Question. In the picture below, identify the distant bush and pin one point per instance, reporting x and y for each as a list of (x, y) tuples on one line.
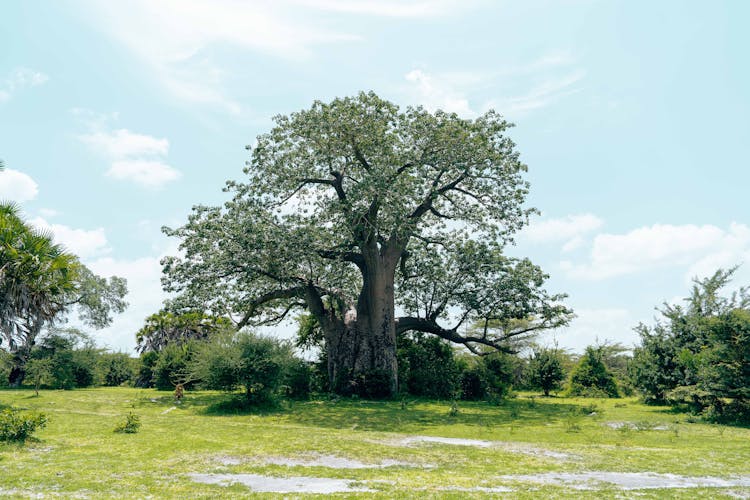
[(146, 364), (116, 368), (130, 424), (18, 427), (591, 378), (298, 380), (257, 364), (487, 377)]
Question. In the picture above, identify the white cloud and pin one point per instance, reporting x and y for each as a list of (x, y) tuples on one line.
[(18, 79), (147, 173), (134, 157), (700, 250), (569, 228), (176, 39), (438, 93), (85, 243), (17, 186), (122, 143)]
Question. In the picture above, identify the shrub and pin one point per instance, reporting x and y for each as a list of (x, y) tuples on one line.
[(427, 367), (590, 377), (146, 365), (115, 368), (39, 373), (18, 427), (258, 364), (5, 366), (498, 371), (129, 424), (173, 365), (298, 380), (473, 386), (488, 376)]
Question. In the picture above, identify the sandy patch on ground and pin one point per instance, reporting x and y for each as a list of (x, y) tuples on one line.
[(625, 480), (512, 447), (267, 484)]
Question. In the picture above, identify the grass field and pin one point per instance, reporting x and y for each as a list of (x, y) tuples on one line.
[(384, 447)]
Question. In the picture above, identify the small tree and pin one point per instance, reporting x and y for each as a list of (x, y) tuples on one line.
[(546, 369), (39, 371), (591, 377)]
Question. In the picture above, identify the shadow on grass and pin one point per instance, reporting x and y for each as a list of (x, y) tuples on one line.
[(742, 422), (389, 416), (384, 416)]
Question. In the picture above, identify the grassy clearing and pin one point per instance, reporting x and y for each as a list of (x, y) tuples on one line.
[(78, 454)]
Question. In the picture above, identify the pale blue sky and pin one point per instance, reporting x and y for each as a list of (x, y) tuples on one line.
[(117, 117)]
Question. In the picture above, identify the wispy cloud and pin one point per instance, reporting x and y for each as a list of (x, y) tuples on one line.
[(402, 9), (529, 87), (541, 95), (177, 39), (174, 38), (18, 79), (122, 142), (148, 173), (134, 157)]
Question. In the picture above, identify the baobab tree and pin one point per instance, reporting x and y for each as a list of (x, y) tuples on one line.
[(377, 221)]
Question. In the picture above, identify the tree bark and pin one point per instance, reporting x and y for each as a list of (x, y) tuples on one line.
[(362, 346)]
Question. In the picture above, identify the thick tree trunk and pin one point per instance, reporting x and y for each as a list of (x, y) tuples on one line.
[(362, 348)]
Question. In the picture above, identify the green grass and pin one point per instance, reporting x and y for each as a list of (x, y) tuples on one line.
[(78, 454)]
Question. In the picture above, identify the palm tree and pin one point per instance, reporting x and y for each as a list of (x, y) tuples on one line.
[(37, 277)]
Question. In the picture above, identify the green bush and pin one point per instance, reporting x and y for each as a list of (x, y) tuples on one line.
[(259, 365), (115, 368), (487, 377), (146, 365), (298, 380), (427, 367), (499, 370), (173, 366), (473, 385), (591, 378), (18, 427), (5, 367), (130, 424)]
